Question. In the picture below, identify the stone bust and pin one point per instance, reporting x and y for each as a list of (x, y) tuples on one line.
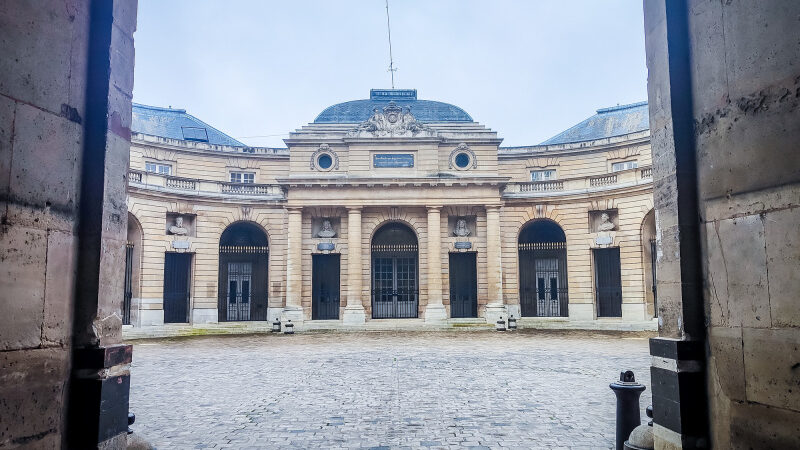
[(327, 230), (461, 229), (178, 228), (605, 223)]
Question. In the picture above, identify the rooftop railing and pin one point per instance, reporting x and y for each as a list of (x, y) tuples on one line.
[(605, 181), (202, 187)]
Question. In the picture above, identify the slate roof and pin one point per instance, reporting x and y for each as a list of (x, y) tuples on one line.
[(177, 124), (357, 111), (608, 122)]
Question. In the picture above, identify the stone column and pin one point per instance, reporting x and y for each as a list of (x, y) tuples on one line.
[(435, 310), (294, 271), (354, 311), (496, 307)]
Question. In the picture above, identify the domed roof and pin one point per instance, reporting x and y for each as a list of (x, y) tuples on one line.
[(357, 111)]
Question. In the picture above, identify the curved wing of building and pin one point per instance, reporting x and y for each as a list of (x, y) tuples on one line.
[(391, 207)]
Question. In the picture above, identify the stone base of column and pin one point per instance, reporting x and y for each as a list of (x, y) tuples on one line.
[(494, 311), (435, 313), (293, 313), (354, 315)]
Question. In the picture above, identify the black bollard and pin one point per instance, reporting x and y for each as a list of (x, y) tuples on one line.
[(131, 420), (627, 391)]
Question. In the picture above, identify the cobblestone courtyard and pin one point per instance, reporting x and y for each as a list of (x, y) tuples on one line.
[(383, 390)]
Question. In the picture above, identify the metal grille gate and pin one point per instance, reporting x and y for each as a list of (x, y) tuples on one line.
[(243, 282), (240, 280), (177, 268), (608, 282), (543, 279), (126, 301), (394, 281), (653, 273)]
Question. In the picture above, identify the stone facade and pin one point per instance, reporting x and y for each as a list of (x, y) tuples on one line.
[(425, 176)]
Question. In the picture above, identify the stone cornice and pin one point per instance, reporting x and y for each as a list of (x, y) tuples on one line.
[(224, 151), (597, 145), (299, 182)]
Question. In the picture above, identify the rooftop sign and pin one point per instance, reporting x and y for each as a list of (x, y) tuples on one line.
[(392, 94)]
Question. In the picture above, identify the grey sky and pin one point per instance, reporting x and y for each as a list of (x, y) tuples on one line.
[(527, 69)]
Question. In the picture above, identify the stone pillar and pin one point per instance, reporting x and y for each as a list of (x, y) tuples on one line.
[(354, 311), (435, 310), (496, 307), (294, 270)]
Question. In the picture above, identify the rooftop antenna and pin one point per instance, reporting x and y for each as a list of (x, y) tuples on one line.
[(392, 68)]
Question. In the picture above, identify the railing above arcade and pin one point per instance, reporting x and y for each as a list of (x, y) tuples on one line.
[(210, 188), (589, 183)]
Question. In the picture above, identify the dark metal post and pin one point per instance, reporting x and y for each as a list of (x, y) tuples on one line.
[(627, 391)]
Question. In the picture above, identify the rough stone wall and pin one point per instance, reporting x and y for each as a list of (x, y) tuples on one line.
[(43, 52), (44, 110), (746, 84)]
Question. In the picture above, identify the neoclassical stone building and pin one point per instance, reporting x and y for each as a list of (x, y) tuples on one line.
[(390, 208)]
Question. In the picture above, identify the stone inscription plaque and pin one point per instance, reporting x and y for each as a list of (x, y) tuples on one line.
[(393, 160)]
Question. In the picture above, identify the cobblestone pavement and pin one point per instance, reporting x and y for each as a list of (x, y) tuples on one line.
[(452, 389)]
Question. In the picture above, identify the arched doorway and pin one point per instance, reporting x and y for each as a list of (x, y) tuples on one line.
[(649, 263), (543, 270), (133, 263), (243, 263), (395, 290)]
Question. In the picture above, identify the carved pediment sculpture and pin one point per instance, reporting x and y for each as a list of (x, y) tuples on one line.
[(393, 121)]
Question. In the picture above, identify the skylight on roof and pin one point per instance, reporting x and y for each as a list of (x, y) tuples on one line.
[(195, 134)]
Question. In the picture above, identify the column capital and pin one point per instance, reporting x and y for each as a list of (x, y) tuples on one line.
[(493, 207), (294, 208), (354, 208), (434, 207)]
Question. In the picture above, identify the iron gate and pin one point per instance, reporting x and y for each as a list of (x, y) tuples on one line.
[(240, 281), (394, 283), (653, 273), (543, 279), (128, 295), (325, 287), (177, 268), (608, 282), (463, 285)]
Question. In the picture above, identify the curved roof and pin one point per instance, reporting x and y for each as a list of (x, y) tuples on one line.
[(357, 111), (608, 122), (177, 124)]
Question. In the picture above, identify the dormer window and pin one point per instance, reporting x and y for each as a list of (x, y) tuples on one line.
[(543, 175), (624, 165), (196, 134), (243, 177)]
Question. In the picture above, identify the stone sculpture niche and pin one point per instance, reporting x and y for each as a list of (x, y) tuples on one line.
[(325, 227), (603, 221), (180, 224)]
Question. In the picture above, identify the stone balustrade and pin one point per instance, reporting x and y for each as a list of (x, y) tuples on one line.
[(155, 181), (605, 181)]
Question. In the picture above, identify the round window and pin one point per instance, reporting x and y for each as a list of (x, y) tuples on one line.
[(462, 160), (325, 161)]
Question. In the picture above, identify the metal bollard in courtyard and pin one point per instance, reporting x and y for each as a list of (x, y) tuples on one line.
[(276, 326), (289, 327), (512, 324), (131, 420), (501, 324), (627, 391)]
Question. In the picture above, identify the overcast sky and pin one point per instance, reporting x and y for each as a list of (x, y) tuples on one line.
[(527, 69)]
